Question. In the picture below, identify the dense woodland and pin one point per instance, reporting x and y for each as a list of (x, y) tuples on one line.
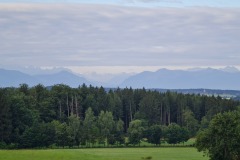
[(88, 116)]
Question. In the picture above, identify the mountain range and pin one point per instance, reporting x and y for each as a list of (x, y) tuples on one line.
[(227, 78), (208, 78), (12, 78)]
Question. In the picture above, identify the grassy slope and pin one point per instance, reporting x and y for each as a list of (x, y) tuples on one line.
[(104, 154)]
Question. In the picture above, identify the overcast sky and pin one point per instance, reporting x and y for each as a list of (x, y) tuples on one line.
[(120, 35)]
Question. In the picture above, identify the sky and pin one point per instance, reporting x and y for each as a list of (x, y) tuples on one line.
[(119, 36), (141, 3)]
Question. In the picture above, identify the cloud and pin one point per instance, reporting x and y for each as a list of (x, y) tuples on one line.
[(101, 35)]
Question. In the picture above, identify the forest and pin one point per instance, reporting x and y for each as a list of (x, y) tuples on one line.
[(39, 116)]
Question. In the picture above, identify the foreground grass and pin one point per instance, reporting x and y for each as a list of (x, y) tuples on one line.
[(104, 154)]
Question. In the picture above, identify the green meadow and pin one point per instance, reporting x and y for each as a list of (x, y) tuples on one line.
[(164, 153)]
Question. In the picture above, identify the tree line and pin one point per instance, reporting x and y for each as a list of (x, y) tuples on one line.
[(85, 116)]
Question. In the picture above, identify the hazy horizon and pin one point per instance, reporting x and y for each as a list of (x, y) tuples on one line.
[(106, 70)]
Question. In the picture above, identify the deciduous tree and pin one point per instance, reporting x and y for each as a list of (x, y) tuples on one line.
[(221, 140)]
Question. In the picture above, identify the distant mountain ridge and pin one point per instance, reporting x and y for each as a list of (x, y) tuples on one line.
[(12, 78), (221, 79), (64, 77), (180, 79)]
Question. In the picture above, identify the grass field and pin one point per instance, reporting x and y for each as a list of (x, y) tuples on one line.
[(104, 154)]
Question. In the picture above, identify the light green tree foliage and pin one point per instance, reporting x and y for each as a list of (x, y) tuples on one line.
[(119, 126), (105, 124), (61, 133), (190, 123), (135, 132), (119, 135), (74, 129), (221, 140), (90, 128)]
